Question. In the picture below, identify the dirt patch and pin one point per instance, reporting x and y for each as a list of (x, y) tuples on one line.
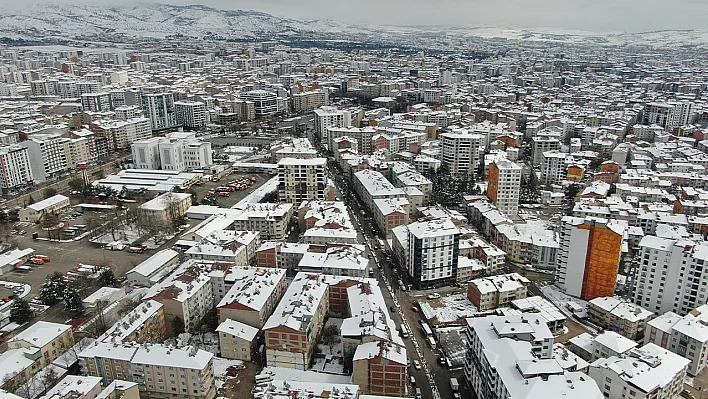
[(241, 385), (574, 329)]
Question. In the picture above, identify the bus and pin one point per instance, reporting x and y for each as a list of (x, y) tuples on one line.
[(432, 342), (404, 331), (426, 330)]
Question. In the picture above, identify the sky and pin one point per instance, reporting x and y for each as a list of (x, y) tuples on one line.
[(585, 15)]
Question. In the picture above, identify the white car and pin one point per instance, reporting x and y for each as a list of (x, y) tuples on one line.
[(416, 364), (434, 295)]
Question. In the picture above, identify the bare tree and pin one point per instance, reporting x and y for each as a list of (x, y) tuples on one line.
[(48, 379)]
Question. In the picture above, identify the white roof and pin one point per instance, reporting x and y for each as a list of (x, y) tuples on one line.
[(500, 283), (387, 350), (132, 321), (300, 302), (540, 306), (370, 316), (433, 228), (41, 205), (622, 309), (304, 162), (238, 329), (252, 286), (163, 201), (376, 185), (166, 356), (73, 383), (188, 279), (103, 294), (13, 361), (615, 342), (14, 256), (340, 257), (41, 333), (388, 206), (648, 368), (149, 266)]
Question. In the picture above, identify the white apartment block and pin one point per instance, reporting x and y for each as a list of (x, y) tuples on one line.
[(492, 292), (432, 252), (363, 137), (47, 156), (686, 336), (264, 102), (461, 151), (669, 115), (543, 144), (160, 108), (671, 275), (191, 114), (176, 151), (372, 185), (79, 151), (553, 167), (326, 117), (146, 153), (120, 134), (643, 373), (302, 179), (504, 186), (15, 170), (512, 357), (161, 371), (99, 102)]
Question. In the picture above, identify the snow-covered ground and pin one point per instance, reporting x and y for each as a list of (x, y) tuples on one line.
[(330, 359), (126, 235), (561, 299)]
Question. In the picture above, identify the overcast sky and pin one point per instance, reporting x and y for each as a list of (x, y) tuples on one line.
[(591, 15)]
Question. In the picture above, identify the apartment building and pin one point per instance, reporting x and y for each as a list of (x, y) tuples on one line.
[(264, 102), (686, 336), (145, 323), (44, 341), (553, 167), (75, 387), (504, 186), (226, 246), (326, 117), (186, 293), (291, 332), (497, 291), (390, 213), (619, 315), (153, 269), (254, 294), (47, 156), (191, 114), (431, 252), (272, 221), (343, 260), (15, 170), (77, 151), (309, 100), (512, 356), (120, 134), (462, 152), (590, 251), (160, 109), (372, 185), (161, 371), (542, 144), (492, 257), (363, 136), (670, 274), (166, 207), (643, 373), (301, 179), (237, 340), (380, 368), (604, 345), (96, 101), (669, 115)]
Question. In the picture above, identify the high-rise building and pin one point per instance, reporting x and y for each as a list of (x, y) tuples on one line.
[(301, 179), (191, 114), (461, 151), (684, 336), (433, 246), (96, 101), (176, 151), (670, 275), (589, 256), (553, 167), (326, 117), (15, 168), (264, 102), (47, 155), (504, 185), (160, 108)]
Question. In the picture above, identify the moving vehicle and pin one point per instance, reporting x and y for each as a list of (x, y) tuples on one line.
[(416, 364), (138, 248), (412, 380), (434, 295), (418, 394), (454, 384), (404, 331), (432, 343)]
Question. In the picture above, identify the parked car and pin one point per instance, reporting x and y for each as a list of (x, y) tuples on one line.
[(416, 364)]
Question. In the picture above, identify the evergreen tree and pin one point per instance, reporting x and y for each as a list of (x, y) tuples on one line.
[(20, 311), (177, 326), (52, 291), (107, 278), (72, 301)]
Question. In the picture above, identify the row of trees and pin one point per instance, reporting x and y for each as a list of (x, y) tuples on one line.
[(448, 190)]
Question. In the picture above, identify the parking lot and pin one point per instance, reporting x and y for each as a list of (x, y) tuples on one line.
[(235, 196)]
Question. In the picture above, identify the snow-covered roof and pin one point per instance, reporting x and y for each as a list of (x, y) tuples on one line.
[(622, 309), (300, 302), (51, 201), (73, 385), (386, 350), (153, 264), (40, 333), (163, 201), (614, 342), (238, 329), (252, 286), (131, 322), (338, 257)]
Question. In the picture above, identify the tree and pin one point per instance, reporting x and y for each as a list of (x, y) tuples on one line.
[(177, 326), (48, 379), (330, 336), (52, 291), (572, 191), (49, 192), (107, 279), (20, 311), (76, 184), (72, 301), (30, 200)]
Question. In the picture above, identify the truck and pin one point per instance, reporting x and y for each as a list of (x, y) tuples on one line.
[(137, 249), (454, 384)]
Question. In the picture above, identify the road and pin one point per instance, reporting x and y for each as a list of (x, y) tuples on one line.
[(432, 379)]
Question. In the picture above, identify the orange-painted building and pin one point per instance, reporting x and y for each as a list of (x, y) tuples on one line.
[(575, 173), (610, 166), (589, 256), (493, 186)]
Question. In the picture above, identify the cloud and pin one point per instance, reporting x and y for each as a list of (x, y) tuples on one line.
[(590, 15)]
